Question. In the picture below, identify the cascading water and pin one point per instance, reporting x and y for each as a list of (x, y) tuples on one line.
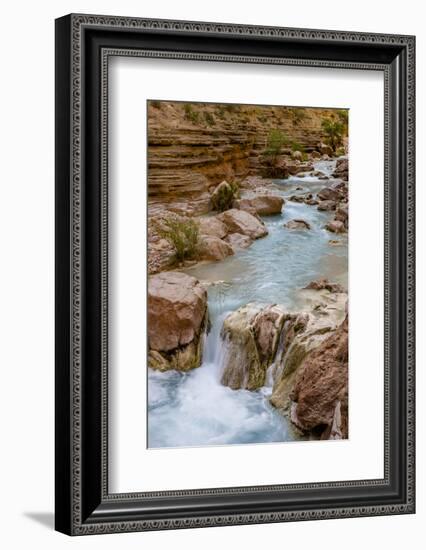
[(275, 366), (194, 409)]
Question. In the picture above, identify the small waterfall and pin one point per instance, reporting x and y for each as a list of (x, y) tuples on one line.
[(276, 363), (214, 346)]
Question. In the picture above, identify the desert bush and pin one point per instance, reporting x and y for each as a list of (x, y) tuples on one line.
[(334, 131), (209, 118), (155, 103), (274, 143), (296, 146), (230, 107), (220, 111), (190, 114), (343, 115), (298, 115), (223, 198), (183, 234)]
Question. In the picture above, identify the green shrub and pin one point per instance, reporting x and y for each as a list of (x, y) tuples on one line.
[(343, 115), (182, 234), (274, 143), (224, 197), (298, 115), (230, 107), (190, 114), (209, 118), (235, 189), (296, 146), (220, 111)]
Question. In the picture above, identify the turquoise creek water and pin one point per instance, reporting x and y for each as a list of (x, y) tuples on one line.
[(194, 409)]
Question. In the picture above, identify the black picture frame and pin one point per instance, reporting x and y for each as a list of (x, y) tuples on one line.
[(83, 45)]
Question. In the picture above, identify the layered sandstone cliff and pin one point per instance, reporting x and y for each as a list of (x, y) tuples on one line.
[(194, 146)]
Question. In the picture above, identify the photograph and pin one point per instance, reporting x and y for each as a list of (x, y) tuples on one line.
[(234, 272), (247, 260)]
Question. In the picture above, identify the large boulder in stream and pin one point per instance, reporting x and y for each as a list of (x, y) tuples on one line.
[(239, 221), (324, 284), (327, 205), (177, 319), (336, 226), (263, 205), (328, 194), (297, 224), (210, 226), (215, 249), (238, 241)]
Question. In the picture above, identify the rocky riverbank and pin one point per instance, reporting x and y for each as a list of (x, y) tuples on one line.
[(288, 349)]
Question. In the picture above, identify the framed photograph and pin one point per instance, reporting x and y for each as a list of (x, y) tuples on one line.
[(234, 274)]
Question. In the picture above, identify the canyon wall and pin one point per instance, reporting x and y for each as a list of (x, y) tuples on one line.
[(194, 146)]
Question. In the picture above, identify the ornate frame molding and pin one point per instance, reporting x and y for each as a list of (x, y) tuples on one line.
[(78, 522)]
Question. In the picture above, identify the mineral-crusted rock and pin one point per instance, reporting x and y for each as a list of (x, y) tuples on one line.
[(303, 334), (250, 336)]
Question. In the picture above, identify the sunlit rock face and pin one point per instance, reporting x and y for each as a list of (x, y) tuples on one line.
[(240, 221), (261, 204)]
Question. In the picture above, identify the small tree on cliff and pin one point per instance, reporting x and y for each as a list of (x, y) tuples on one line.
[(183, 234), (334, 130)]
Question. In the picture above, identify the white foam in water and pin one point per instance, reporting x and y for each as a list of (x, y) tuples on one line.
[(194, 409)]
